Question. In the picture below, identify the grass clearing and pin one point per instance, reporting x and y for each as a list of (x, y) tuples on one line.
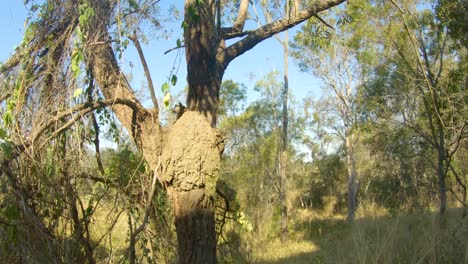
[(373, 238)]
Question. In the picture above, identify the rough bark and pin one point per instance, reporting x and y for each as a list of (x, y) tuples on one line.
[(190, 164), (203, 73), (193, 158)]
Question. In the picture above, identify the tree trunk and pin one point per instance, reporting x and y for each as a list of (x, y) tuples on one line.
[(190, 165), (197, 169), (284, 144), (352, 177), (441, 172), (204, 74), (195, 225), (77, 225)]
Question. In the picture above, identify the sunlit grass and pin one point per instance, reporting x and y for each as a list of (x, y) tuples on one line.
[(290, 252), (109, 226), (375, 237)]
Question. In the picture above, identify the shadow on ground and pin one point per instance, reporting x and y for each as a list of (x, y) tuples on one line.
[(409, 238)]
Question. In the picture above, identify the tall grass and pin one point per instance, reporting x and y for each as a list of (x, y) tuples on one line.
[(402, 239), (375, 237)]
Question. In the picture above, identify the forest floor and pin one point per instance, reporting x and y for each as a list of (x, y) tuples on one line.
[(321, 237), (375, 237)]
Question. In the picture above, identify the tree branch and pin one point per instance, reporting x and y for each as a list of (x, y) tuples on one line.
[(324, 22), (148, 208), (262, 33), (240, 20), (109, 77), (80, 110), (172, 49), (12, 62), (5, 96), (135, 40)]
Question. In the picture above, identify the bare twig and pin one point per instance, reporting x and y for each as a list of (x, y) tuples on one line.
[(169, 50), (142, 226), (324, 22)]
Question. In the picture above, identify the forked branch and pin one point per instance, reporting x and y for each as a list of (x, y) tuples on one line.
[(240, 20), (262, 33)]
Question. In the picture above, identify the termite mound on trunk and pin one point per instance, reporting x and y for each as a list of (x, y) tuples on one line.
[(190, 157), (190, 164)]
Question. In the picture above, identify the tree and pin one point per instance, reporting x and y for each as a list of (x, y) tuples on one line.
[(271, 9), (332, 57), (422, 58), (186, 156), (251, 163)]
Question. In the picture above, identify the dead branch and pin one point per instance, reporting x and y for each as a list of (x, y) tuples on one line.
[(142, 226)]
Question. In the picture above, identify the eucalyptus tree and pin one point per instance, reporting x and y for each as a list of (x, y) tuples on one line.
[(421, 57), (252, 154), (65, 37), (271, 9), (332, 55)]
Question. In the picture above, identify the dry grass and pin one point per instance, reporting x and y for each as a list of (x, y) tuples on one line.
[(375, 237), (301, 251), (110, 227)]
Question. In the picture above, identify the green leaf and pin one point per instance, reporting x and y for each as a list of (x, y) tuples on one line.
[(167, 99), (11, 213), (74, 66), (179, 43), (125, 44), (77, 92), (89, 12), (8, 118), (173, 80), (133, 4), (6, 148), (78, 31), (3, 133), (165, 88)]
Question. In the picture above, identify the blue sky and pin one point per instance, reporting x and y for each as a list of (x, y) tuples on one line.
[(263, 58)]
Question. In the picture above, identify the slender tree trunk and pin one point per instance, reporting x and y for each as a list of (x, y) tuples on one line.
[(352, 177), (284, 146), (441, 172), (77, 226)]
